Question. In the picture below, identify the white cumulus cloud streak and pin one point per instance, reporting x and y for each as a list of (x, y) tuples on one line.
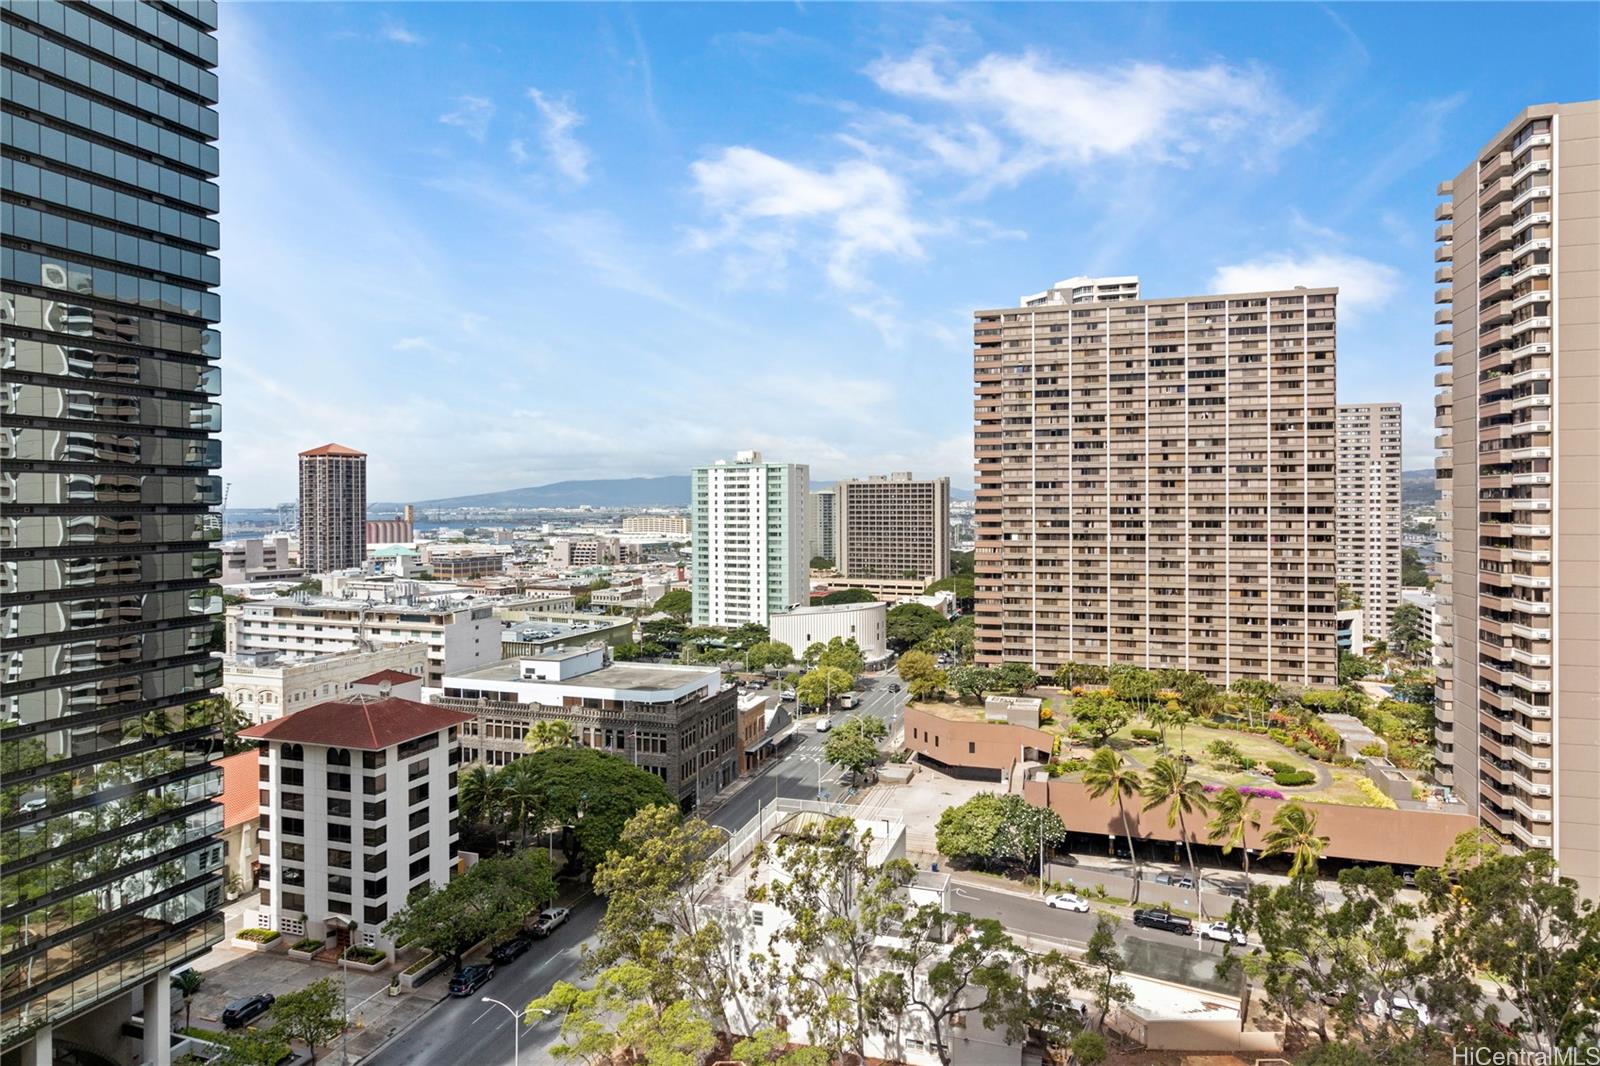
[(764, 203), (1363, 283), (1060, 115), (567, 153), (471, 114)]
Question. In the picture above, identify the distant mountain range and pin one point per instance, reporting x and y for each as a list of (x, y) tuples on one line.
[(1418, 489), (669, 491)]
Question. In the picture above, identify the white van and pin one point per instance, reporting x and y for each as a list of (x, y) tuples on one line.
[(824, 724)]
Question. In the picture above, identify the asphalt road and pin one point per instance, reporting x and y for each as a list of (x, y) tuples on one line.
[(471, 1031)]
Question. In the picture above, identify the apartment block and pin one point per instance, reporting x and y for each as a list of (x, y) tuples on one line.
[(671, 525), (1155, 483), (358, 810), (680, 723), (333, 508), (460, 632), (821, 526), (592, 551), (1518, 410), (260, 559), (1369, 510), (266, 684), (893, 527), (109, 378), (749, 524)]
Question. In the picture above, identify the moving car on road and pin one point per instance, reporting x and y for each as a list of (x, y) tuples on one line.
[(550, 920), (1164, 920), (823, 724), (507, 950), (469, 979), (1224, 932), (241, 1012), (1401, 1007), (1068, 902)]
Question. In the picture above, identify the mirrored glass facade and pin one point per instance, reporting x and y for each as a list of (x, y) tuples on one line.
[(109, 381)]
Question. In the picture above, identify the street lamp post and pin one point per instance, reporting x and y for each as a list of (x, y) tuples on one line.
[(516, 1030), (344, 1036)]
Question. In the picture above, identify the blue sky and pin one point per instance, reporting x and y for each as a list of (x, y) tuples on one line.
[(497, 245)]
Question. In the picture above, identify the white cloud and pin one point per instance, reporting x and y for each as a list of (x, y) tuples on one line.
[(1363, 283), (566, 151), (395, 31), (764, 203), (519, 151), (471, 114), (1054, 114)]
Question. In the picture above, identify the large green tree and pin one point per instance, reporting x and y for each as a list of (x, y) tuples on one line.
[(1015, 678), (848, 596), (679, 603), (953, 964), (592, 793), (843, 654), (991, 828), (972, 682), (819, 687), (1098, 716), (492, 899), (909, 624), (853, 744), (314, 1014), (923, 678), (769, 654)]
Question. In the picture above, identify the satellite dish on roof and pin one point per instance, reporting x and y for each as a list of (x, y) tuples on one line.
[(383, 689)]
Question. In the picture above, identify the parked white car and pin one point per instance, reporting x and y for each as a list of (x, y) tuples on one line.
[(1066, 901), (1224, 932), (1401, 1007)]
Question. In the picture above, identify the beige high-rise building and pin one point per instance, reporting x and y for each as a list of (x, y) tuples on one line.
[(1156, 482), (1369, 510), (1518, 733), (894, 527), (333, 508)]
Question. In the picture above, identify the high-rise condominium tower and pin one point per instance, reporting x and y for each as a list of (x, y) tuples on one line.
[(893, 527), (108, 391), (748, 522), (1369, 511), (821, 525), (333, 508), (1519, 413), (1156, 483)]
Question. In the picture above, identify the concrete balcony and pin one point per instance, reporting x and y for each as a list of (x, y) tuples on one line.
[(1441, 317), (1494, 166), (1443, 211), (1444, 379), (1532, 762), (1527, 632), (1535, 322), (1443, 275), (1536, 192), (1533, 218), (1443, 253), (1443, 188)]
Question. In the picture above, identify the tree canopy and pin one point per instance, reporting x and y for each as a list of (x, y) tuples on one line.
[(491, 899), (853, 744), (909, 624), (991, 828), (592, 792), (677, 602)]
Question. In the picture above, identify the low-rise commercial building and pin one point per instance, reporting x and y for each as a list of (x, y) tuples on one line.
[(358, 810), (541, 634), (266, 684), (680, 723), (464, 562), (592, 551), (241, 810), (460, 632), (865, 623)]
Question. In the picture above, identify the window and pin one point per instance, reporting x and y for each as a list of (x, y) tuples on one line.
[(417, 794), (372, 786), (376, 887), (266, 897), (293, 775), (377, 914), (294, 875), (376, 812), (419, 818), (417, 769), (293, 801), (338, 858), (375, 836), (339, 833), (339, 883), (338, 808), (374, 760), (291, 753), (294, 827), (419, 867), (338, 782), (419, 843), (294, 901), (338, 757)]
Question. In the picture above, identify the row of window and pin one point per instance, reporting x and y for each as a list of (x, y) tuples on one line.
[(74, 22), (28, 224), (55, 272), (61, 146), (25, 179)]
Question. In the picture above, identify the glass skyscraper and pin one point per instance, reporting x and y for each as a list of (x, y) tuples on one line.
[(110, 872)]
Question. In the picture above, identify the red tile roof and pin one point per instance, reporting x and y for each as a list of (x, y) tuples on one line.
[(367, 723), (394, 677), (241, 788), (334, 449)]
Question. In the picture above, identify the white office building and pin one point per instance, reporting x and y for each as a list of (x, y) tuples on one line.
[(865, 623), (358, 809), (749, 531), (266, 684)]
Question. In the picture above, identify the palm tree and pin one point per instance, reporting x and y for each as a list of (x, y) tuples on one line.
[(523, 797), (1169, 783), (482, 794), (1108, 773), (1294, 833), (187, 982), (1235, 812), (550, 734)]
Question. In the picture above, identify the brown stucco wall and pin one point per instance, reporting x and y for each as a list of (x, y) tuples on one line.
[(985, 745)]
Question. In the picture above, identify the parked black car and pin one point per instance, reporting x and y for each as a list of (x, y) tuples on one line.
[(241, 1012), (1164, 920), (469, 979), (894, 686), (507, 950)]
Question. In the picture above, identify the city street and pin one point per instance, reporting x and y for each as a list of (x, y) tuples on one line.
[(469, 1030)]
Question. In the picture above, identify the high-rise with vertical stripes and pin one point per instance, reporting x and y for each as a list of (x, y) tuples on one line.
[(110, 870), (1369, 511), (1155, 481), (1518, 410)]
